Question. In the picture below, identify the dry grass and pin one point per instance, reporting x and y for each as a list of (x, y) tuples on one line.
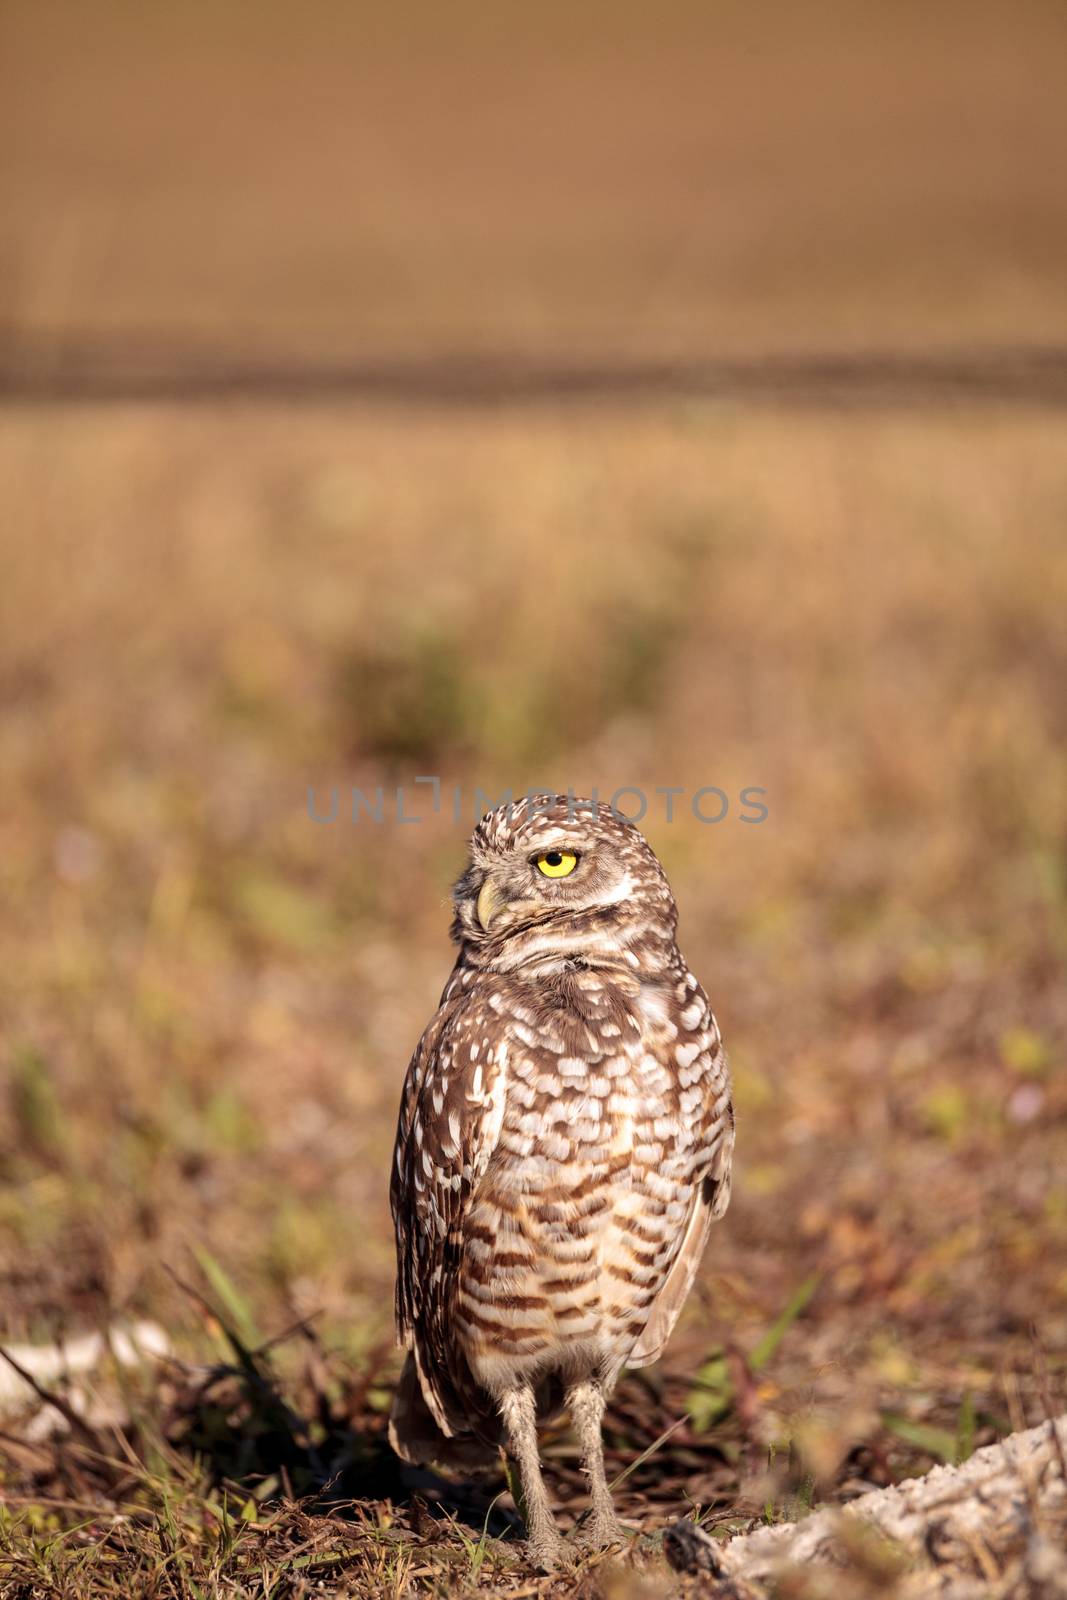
[(207, 1001)]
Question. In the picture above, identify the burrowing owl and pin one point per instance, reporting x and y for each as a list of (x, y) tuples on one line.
[(564, 1143)]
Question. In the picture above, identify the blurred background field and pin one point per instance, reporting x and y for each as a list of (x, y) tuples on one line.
[(207, 1001)]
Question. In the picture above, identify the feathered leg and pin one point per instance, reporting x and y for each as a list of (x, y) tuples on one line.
[(586, 1401), (519, 1411)]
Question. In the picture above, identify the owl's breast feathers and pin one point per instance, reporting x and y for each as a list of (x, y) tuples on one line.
[(564, 1143)]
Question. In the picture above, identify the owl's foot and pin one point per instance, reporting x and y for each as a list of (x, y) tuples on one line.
[(546, 1552), (600, 1531)]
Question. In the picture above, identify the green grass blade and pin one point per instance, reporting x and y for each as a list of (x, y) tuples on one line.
[(778, 1330), (932, 1441), (233, 1301)]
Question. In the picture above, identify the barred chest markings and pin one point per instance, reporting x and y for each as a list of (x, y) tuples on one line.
[(583, 1204)]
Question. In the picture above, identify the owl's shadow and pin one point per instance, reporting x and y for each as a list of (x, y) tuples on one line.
[(329, 1451)]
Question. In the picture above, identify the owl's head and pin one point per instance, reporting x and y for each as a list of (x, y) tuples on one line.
[(557, 875)]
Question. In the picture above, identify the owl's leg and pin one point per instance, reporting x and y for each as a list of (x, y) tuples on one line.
[(586, 1401), (518, 1408)]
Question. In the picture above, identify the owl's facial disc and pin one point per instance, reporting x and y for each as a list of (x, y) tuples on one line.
[(557, 878)]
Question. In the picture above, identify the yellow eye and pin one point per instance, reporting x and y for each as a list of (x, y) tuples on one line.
[(557, 863)]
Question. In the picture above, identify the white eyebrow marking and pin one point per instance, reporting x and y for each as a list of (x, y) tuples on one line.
[(622, 891)]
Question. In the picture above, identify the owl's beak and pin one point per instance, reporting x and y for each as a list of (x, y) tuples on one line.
[(489, 902)]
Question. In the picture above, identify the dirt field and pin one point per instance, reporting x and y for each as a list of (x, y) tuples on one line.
[(208, 1000)]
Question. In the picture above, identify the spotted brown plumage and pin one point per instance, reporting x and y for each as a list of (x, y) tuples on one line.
[(564, 1143)]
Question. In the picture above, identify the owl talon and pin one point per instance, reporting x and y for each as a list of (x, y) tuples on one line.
[(601, 1533)]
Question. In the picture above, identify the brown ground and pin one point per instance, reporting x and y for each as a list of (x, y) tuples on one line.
[(207, 1001)]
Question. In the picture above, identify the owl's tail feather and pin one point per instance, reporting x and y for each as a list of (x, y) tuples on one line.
[(418, 1439)]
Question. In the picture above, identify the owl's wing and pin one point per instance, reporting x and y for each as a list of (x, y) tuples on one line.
[(450, 1117), (704, 1094)]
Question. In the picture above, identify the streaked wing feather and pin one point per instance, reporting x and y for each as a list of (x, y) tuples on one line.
[(707, 1079), (449, 1123), (709, 1204)]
